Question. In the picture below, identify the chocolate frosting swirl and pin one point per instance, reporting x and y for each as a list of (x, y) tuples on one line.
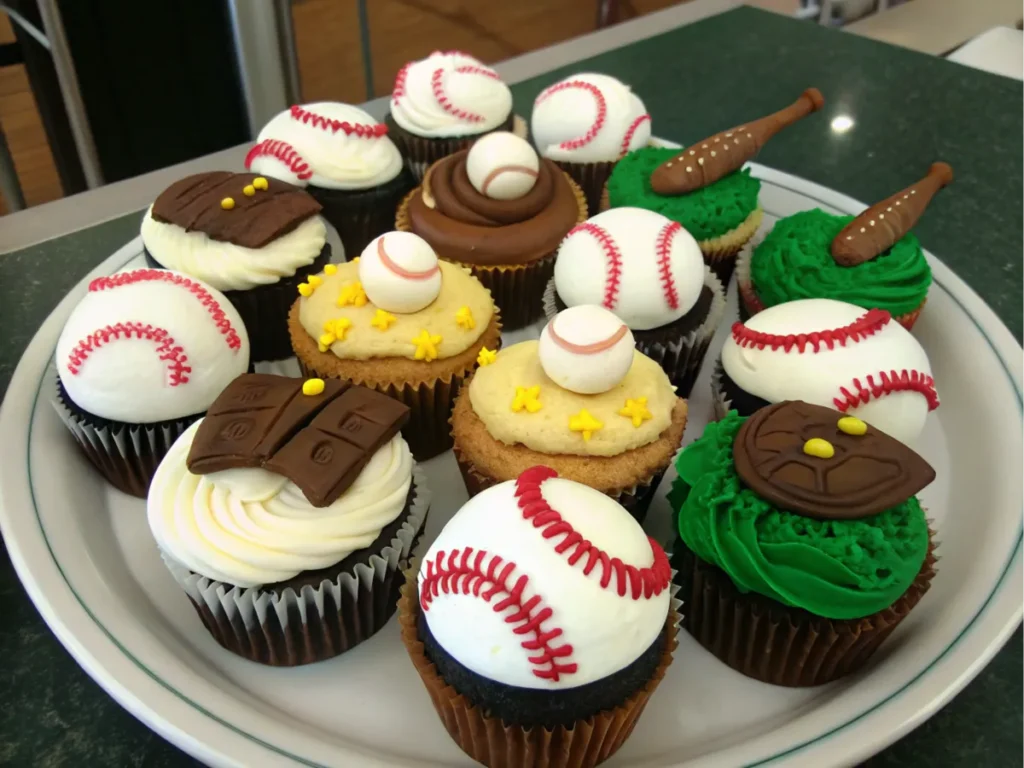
[(465, 226)]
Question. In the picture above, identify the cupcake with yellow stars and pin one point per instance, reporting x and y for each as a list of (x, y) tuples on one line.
[(581, 400), (402, 322)]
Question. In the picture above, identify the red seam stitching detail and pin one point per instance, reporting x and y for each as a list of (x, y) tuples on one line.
[(602, 110), (868, 324), (177, 360), (628, 138), (613, 255), (663, 248), (211, 305), (284, 152), (399, 88), (362, 130), (887, 382), (437, 85)]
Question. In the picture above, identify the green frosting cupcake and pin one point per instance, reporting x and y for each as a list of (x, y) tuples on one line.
[(705, 213), (837, 569), (795, 262)]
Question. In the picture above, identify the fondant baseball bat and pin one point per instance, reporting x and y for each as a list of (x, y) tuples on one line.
[(883, 224), (717, 156)]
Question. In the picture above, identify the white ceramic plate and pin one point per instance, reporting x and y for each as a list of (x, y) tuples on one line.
[(86, 557)]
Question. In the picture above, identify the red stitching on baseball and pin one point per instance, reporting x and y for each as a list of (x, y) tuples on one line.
[(437, 85), (177, 360), (612, 254), (399, 89), (602, 110), (868, 324), (587, 349), (886, 383), (362, 130), (628, 138), (396, 269), (663, 249), (503, 169), (211, 305), (284, 152)]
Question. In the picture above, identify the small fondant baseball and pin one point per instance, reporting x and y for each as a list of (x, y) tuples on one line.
[(502, 166), (642, 266), (399, 272), (586, 349)]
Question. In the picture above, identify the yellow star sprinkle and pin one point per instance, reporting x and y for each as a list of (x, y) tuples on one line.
[(486, 356), (382, 320), (352, 294), (311, 387), (330, 269), (305, 289), (315, 280), (248, 190), (526, 398), (426, 346), (585, 423), (260, 183), (636, 410), (325, 341), (227, 203), (334, 330), (464, 319)]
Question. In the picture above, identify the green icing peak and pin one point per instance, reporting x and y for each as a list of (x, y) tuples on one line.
[(839, 569), (705, 213), (795, 262)]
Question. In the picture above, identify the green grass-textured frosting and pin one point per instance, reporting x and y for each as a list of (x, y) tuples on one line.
[(704, 213), (795, 262), (839, 569)]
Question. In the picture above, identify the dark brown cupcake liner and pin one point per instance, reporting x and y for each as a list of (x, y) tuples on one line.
[(774, 643), (592, 178), (420, 152), (289, 628), (264, 309), (498, 744), (127, 455)]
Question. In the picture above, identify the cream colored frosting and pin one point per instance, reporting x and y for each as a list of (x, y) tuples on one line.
[(249, 527), (362, 340), (229, 267), (493, 389)]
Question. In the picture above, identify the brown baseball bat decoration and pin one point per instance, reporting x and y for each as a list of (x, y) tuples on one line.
[(883, 224), (717, 156)]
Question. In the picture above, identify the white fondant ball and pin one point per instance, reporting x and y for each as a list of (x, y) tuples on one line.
[(581, 371), (502, 166), (411, 281)]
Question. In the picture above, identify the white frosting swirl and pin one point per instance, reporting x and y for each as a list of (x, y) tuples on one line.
[(249, 527), (333, 156), (230, 267), (449, 94)]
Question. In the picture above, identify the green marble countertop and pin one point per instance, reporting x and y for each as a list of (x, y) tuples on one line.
[(908, 110)]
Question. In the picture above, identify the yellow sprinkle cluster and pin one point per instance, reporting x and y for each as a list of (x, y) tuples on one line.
[(311, 387), (260, 183), (464, 319), (821, 448), (851, 425), (527, 398), (426, 346), (334, 330), (636, 411), (486, 356), (584, 423), (352, 294), (382, 320)]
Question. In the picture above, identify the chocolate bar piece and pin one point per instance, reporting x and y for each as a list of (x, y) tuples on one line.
[(320, 442), (841, 475)]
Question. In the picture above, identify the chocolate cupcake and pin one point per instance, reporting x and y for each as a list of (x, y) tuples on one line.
[(141, 358), (399, 321), (832, 354), (647, 270), (586, 123), (344, 159), (251, 237), (500, 211), (566, 669), (802, 545), (444, 103), (872, 260), (581, 400), (703, 187), (325, 502)]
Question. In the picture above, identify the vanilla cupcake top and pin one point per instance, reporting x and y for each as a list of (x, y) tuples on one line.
[(449, 94), (397, 300), (582, 389)]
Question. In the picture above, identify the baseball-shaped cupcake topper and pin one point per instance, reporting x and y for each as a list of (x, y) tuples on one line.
[(879, 228), (502, 166), (717, 156), (819, 463), (400, 273), (586, 349)]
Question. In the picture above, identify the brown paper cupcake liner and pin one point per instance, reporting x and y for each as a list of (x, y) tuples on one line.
[(592, 178), (420, 152), (777, 644), (289, 628), (359, 216), (498, 744)]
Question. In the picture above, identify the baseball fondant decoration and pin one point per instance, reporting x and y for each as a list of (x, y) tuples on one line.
[(645, 268), (829, 353), (150, 345), (502, 166), (400, 273), (586, 349), (589, 118), (544, 583)]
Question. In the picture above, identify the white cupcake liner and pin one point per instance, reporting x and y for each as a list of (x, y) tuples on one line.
[(720, 403)]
